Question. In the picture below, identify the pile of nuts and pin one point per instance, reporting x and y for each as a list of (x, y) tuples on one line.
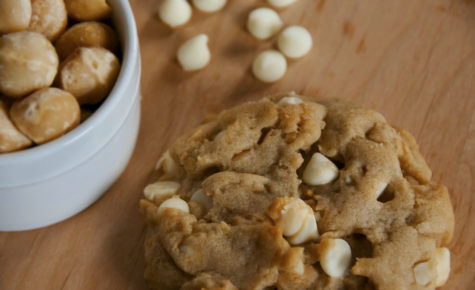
[(52, 75), (262, 23)]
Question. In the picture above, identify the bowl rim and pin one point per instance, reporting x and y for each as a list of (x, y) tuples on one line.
[(129, 40)]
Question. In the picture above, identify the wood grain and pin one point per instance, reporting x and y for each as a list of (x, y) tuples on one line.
[(414, 61)]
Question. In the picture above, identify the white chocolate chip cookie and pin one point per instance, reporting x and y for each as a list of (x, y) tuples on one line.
[(294, 193)]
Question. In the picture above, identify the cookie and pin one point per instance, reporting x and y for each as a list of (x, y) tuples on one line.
[(294, 193)]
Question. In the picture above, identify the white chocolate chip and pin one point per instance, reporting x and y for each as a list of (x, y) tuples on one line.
[(290, 100), (293, 215), (348, 179), (186, 250), (379, 187), (194, 54), (308, 232), (335, 257), (294, 41), (263, 23), (161, 189), (442, 258), (269, 66), (167, 164), (281, 3), (175, 203), (209, 5), (424, 272), (218, 135), (295, 218), (174, 12), (319, 170), (202, 199)]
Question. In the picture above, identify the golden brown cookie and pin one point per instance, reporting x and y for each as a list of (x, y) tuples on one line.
[(294, 193)]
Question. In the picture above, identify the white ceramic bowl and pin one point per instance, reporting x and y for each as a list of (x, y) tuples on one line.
[(49, 183)]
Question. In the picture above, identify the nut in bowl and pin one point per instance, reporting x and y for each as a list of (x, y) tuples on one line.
[(75, 163)]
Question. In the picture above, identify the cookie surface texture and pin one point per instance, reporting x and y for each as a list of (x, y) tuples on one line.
[(290, 192)]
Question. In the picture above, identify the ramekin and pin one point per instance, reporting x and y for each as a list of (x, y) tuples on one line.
[(46, 184)]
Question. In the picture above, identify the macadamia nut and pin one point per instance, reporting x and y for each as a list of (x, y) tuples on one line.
[(194, 54), (295, 218), (28, 62), (160, 190), (85, 10), (174, 12), (263, 23), (89, 73), (175, 203), (269, 66), (209, 5), (87, 34), (46, 114), (49, 17), (319, 170), (294, 41), (11, 139), (335, 257), (281, 3), (15, 15)]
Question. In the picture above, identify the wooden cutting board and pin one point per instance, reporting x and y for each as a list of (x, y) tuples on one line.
[(414, 61)]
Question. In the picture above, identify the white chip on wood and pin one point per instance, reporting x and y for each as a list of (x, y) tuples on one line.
[(263, 23), (281, 3), (269, 66), (209, 5), (194, 54), (174, 12), (294, 41)]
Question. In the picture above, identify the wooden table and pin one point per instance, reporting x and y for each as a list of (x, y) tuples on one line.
[(414, 61)]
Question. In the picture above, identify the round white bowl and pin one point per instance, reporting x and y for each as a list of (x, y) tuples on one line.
[(49, 183)]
